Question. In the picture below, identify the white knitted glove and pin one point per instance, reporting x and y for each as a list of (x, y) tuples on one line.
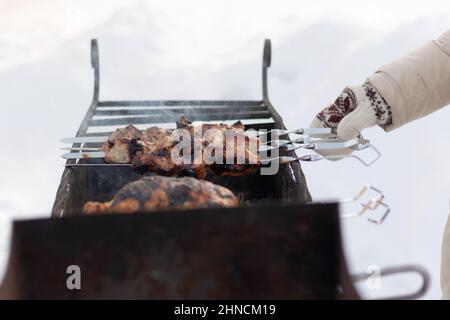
[(357, 108)]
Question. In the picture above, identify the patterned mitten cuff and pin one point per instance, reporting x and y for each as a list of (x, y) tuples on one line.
[(383, 112)]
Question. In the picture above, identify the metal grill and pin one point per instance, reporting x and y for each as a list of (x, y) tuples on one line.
[(103, 117)]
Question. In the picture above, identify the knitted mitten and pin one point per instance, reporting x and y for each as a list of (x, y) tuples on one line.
[(357, 108)]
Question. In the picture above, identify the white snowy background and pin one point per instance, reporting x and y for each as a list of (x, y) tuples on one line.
[(212, 50)]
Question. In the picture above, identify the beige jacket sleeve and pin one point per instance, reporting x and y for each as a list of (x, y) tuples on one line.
[(416, 84)]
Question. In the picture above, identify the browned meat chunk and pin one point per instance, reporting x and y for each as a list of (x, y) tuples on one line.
[(119, 147), (156, 192), (153, 134)]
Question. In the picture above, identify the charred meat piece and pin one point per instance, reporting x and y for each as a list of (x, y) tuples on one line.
[(121, 145), (155, 155), (156, 192), (154, 134), (243, 161), (184, 123)]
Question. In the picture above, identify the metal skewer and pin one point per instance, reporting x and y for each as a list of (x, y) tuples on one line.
[(98, 139), (369, 201), (307, 140), (320, 144), (303, 131), (97, 165), (355, 144), (84, 155), (279, 132), (309, 143), (81, 148), (280, 159), (371, 205)]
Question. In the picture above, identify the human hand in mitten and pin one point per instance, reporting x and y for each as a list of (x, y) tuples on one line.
[(357, 108)]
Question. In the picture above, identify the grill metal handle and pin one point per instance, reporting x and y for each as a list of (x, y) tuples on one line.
[(267, 58), (267, 54), (96, 66), (389, 271)]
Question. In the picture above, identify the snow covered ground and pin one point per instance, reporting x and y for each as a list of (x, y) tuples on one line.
[(203, 49)]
